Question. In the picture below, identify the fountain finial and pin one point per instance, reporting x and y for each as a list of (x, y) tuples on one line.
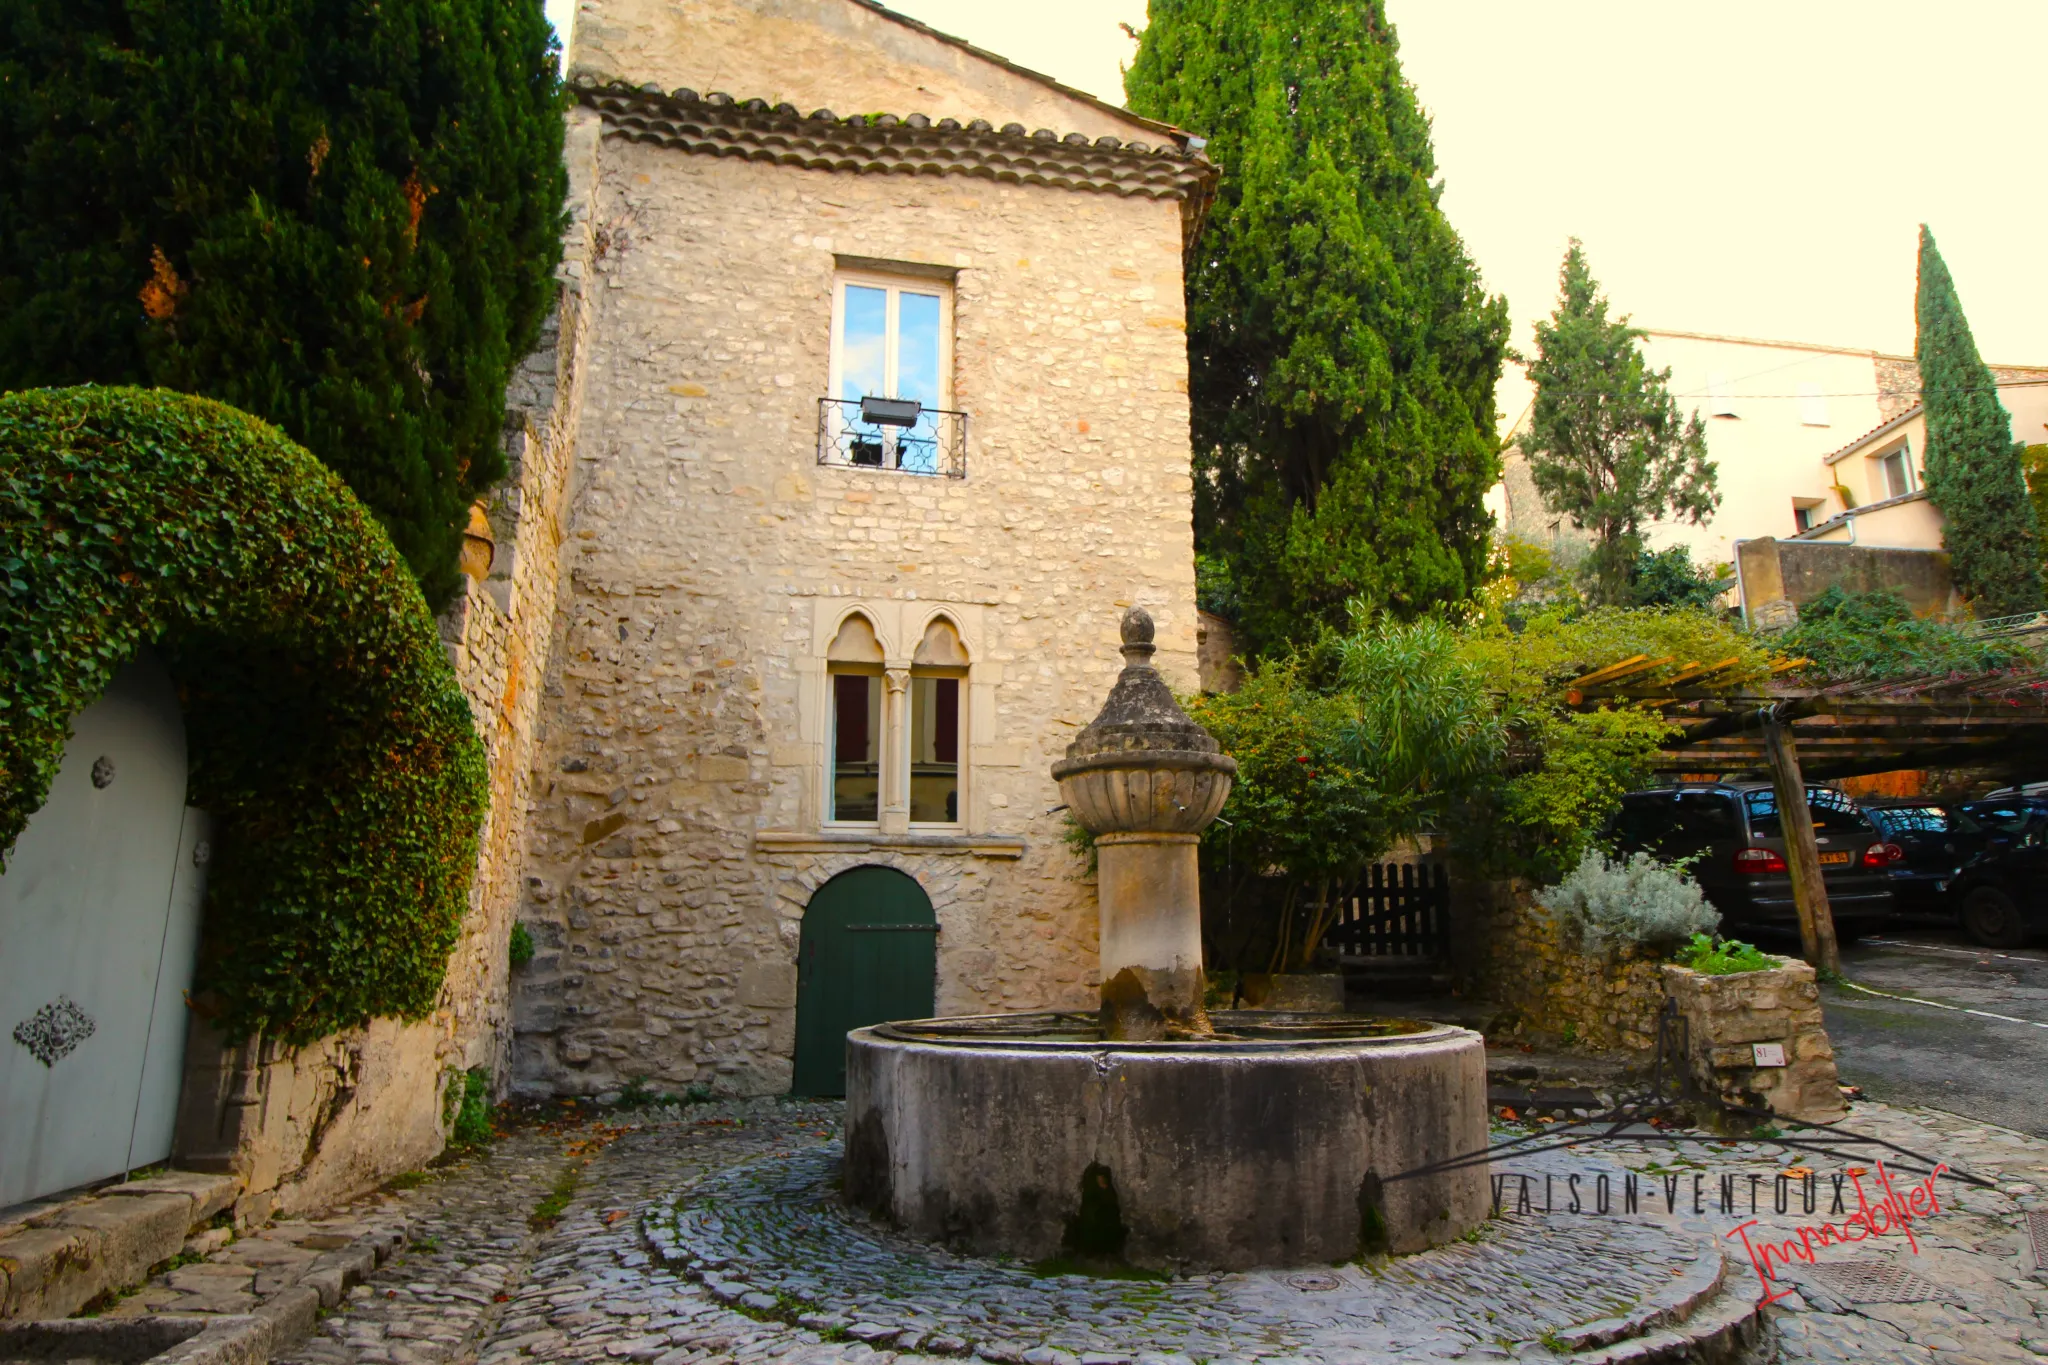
[(1137, 631)]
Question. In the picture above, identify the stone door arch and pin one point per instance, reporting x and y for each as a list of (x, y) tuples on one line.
[(868, 953), (99, 926)]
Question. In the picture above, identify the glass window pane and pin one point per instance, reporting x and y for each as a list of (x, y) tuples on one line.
[(1895, 475), (917, 348), (856, 747), (935, 750), (863, 343)]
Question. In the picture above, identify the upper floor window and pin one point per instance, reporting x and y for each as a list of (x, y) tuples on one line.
[(1894, 473), (892, 339), (1813, 406), (891, 388)]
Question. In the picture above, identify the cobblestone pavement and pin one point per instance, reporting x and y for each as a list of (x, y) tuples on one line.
[(481, 1282), (1975, 1292)]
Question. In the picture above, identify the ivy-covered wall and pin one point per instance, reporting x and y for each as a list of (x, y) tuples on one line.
[(329, 738)]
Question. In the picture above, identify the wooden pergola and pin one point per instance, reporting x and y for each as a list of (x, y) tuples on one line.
[(1996, 722)]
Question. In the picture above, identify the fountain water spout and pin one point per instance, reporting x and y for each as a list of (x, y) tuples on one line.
[(1146, 781)]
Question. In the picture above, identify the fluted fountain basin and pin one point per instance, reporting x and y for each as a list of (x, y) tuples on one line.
[(1285, 1140)]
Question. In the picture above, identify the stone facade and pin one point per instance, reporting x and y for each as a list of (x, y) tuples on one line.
[(304, 1128), (1510, 950), (676, 829), (1727, 1016)]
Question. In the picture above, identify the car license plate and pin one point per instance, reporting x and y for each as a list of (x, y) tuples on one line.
[(1833, 859)]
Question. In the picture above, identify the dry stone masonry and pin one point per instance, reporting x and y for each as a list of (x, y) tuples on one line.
[(678, 827), (1756, 1039)]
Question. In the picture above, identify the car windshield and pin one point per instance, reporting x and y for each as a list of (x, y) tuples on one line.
[(1833, 813)]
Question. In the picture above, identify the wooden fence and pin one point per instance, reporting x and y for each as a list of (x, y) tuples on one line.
[(1399, 910)]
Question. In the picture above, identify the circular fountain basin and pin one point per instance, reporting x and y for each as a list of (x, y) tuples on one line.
[(1284, 1140)]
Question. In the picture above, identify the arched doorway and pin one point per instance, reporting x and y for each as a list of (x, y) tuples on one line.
[(869, 953), (99, 925)]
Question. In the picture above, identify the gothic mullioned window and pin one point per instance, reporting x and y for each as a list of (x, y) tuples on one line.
[(897, 738)]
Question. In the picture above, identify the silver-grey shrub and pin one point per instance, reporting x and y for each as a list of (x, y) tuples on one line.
[(1636, 900)]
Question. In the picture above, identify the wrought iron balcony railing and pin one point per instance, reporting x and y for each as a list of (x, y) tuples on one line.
[(894, 434)]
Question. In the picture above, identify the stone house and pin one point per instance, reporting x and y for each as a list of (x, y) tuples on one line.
[(883, 424)]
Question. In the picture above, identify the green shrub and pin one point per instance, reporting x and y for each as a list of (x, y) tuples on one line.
[(521, 946), (1634, 901), (327, 734), (1712, 956), (472, 1126), (1875, 636)]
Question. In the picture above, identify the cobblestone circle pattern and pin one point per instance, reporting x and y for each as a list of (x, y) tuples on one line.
[(772, 1236)]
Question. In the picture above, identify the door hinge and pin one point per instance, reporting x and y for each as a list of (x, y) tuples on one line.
[(892, 928)]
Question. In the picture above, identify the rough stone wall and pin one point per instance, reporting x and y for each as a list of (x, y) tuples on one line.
[(835, 54), (675, 828), (305, 1128), (1898, 384), (1778, 576), (1726, 1016), (1510, 950)]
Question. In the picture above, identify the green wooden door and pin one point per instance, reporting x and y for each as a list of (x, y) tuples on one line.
[(869, 954)]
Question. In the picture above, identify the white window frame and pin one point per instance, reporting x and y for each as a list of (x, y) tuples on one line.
[(897, 286), (1903, 452)]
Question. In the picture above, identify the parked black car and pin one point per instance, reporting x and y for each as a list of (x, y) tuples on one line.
[(1732, 834), (1937, 837), (2002, 893)]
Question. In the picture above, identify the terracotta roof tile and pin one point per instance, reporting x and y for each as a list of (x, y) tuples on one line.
[(913, 144)]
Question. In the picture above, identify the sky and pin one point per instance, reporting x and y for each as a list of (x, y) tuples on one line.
[(1746, 168)]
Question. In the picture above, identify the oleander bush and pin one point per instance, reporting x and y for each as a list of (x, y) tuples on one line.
[(327, 733)]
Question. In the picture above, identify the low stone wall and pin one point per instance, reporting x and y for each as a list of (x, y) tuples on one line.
[(1510, 950), (1727, 1016)]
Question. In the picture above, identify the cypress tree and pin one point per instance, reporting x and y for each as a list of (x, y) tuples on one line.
[(1973, 466), (1605, 444), (341, 217), (1342, 354)]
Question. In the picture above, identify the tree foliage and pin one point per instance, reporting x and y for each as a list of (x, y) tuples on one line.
[(1605, 444), (1342, 353), (1973, 468), (327, 734), (342, 218), (1668, 578), (1567, 768), (1341, 750)]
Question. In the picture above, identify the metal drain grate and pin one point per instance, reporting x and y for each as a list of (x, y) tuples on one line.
[(2037, 1224), (1875, 1282), (1315, 1284)]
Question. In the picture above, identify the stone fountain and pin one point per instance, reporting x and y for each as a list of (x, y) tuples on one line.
[(1154, 1133)]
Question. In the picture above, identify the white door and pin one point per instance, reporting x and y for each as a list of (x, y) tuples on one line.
[(99, 921)]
